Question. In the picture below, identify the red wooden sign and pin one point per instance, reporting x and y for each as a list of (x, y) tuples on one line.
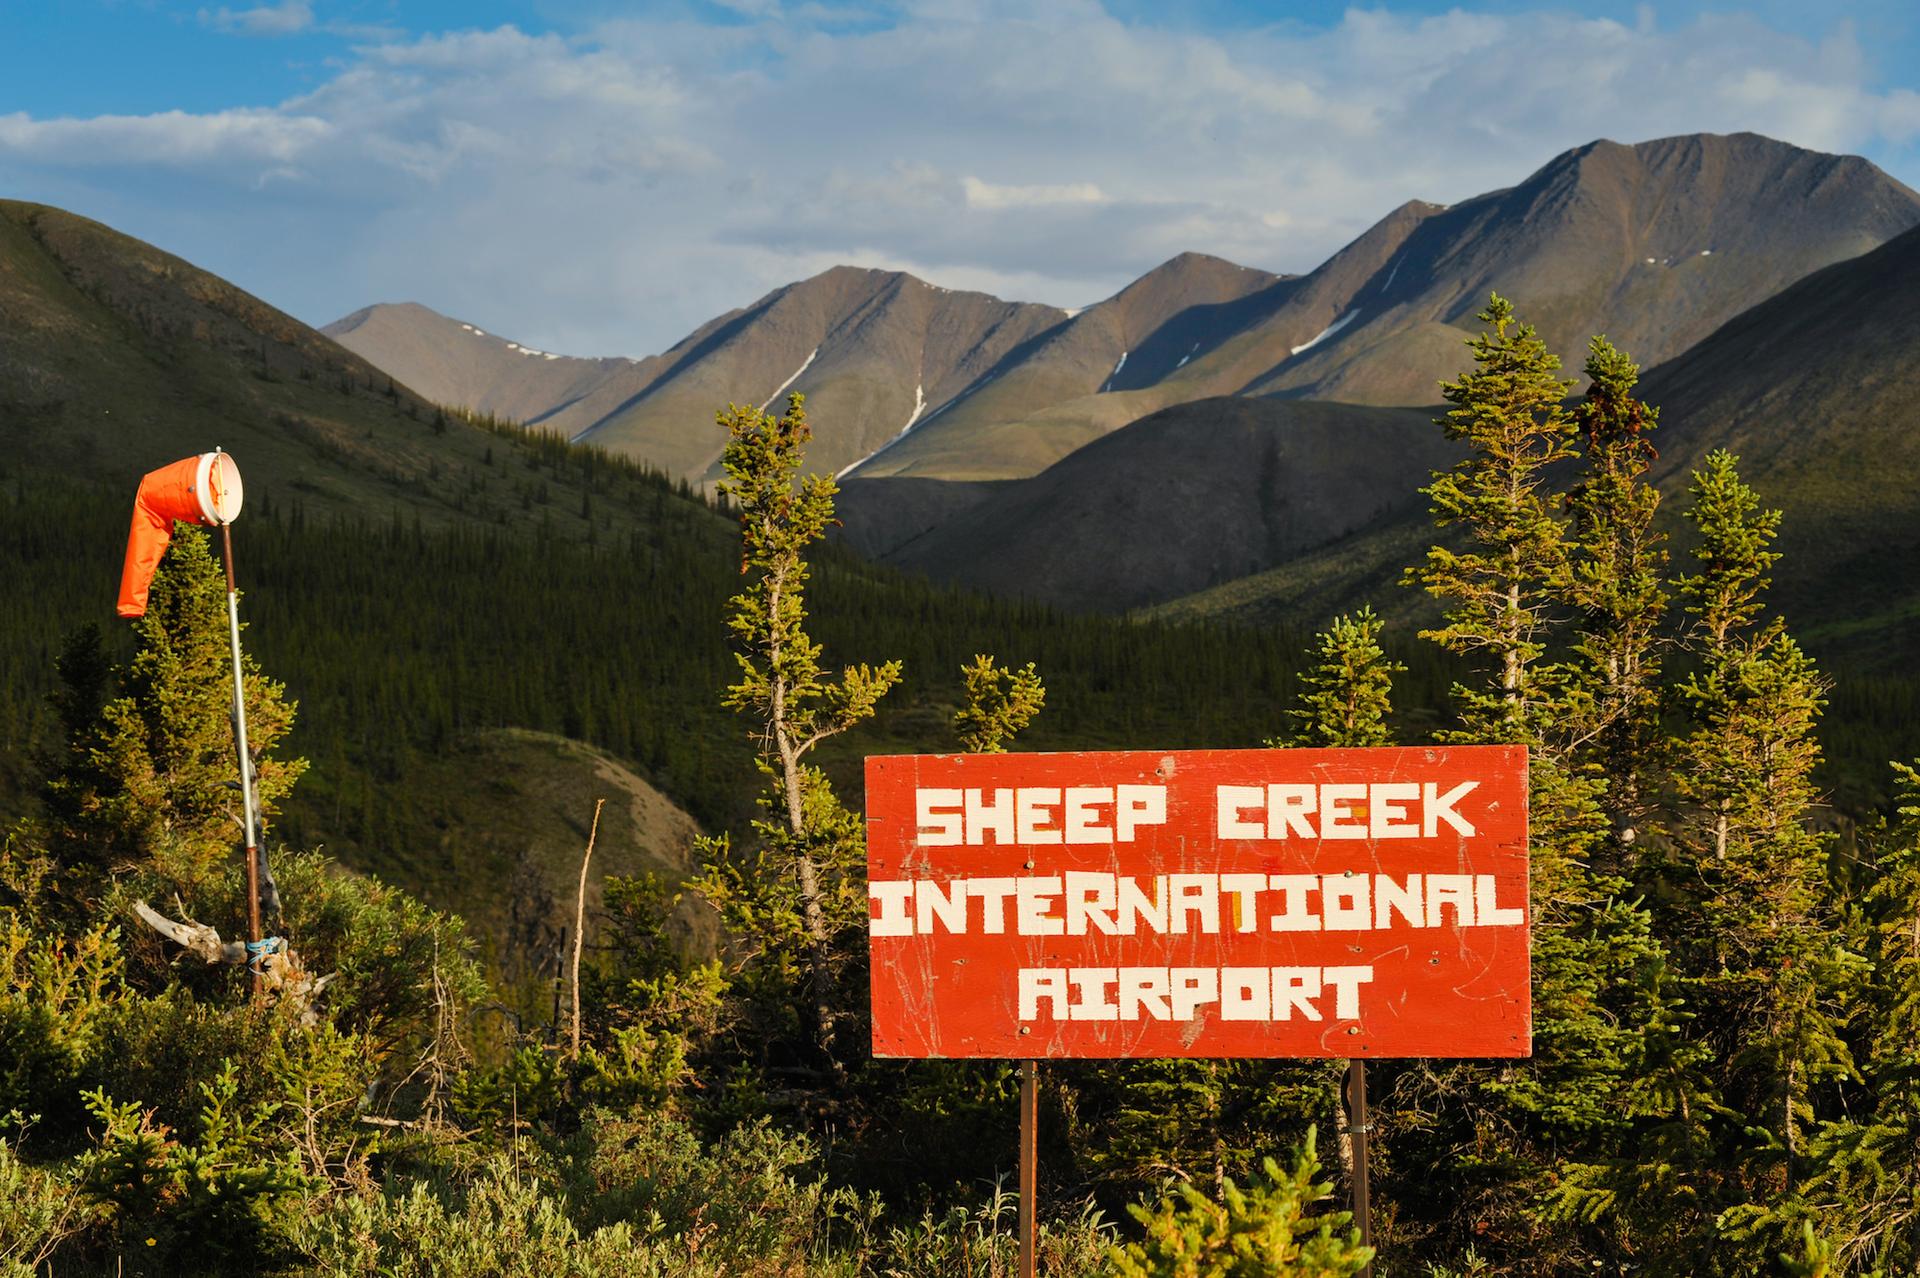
[(1332, 903)]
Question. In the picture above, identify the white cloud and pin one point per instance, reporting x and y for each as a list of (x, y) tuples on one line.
[(1900, 116), (985, 195), (240, 141), (607, 191), (288, 18)]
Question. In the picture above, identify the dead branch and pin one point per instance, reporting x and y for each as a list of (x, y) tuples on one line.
[(281, 971), (580, 924)]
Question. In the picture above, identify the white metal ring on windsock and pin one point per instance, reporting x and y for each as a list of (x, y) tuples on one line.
[(217, 487)]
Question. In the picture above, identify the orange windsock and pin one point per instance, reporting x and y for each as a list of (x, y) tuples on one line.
[(193, 490)]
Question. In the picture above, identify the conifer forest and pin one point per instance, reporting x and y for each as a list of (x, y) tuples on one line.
[(1724, 894)]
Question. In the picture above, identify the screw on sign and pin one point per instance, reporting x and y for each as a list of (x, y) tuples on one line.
[(1340, 903)]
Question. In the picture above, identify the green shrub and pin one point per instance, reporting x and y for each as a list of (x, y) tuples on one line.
[(1267, 1230), (754, 1197), (221, 1202), (502, 1226), (984, 1243), (38, 1211), (55, 992)]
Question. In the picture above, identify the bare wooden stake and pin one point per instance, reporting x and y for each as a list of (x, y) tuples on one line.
[(559, 989), (579, 926)]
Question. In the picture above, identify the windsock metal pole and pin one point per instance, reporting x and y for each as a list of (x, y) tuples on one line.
[(246, 759)]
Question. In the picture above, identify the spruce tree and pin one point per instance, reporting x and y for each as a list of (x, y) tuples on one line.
[(1865, 1189), (1269, 1229), (1726, 601), (1615, 582), (1000, 703), (802, 895), (1571, 1111), (1347, 694), (1764, 944), (151, 780), (1500, 589)]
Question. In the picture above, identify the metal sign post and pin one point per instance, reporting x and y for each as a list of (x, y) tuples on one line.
[(1357, 1126), (1029, 1164)]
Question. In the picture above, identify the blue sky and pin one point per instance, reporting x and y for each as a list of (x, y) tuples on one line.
[(599, 178)]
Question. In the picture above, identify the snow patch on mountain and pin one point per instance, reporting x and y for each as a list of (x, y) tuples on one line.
[(791, 379), (1328, 331), (919, 407)]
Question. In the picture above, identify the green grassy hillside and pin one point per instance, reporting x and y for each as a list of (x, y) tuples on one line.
[(1191, 496)]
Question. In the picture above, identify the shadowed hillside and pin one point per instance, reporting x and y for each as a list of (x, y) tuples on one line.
[(118, 357), (1187, 498), (1816, 390)]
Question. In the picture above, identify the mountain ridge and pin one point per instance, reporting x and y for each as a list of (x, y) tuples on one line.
[(1655, 243)]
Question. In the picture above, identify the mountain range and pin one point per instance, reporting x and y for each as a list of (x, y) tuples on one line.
[(1149, 452), (1216, 441), (1656, 244)]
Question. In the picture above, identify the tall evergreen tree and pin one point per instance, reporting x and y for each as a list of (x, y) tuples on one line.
[(151, 780), (1597, 968), (1726, 600), (1615, 583), (1765, 946), (1347, 694), (1500, 588), (794, 706)]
